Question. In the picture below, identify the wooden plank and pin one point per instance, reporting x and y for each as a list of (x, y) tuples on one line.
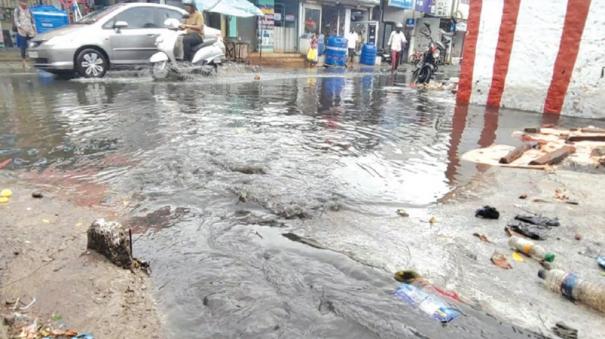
[(554, 157), (515, 154), (592, 130), (597, 137)]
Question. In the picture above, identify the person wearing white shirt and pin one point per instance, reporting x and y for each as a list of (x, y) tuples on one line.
[(397, 42), (352, 38)]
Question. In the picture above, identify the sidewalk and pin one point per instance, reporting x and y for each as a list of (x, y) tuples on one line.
[(277, 59), (9, 54)]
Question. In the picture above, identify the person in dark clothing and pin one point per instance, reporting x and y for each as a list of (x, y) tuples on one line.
[(194, 26)]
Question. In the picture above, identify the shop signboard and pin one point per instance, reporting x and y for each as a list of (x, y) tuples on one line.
[(424, 6), (406, 4), (410, 22), (442, 8), (266, 25)]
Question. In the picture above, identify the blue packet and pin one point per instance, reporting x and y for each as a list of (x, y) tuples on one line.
[(428, 303)]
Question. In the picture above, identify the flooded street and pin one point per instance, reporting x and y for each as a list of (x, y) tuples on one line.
[(267, 207)]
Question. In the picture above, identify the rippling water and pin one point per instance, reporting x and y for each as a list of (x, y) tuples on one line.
[(213, 172)]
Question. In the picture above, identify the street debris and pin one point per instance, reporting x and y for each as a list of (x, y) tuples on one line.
[(500, 260), (531, 231), (564, 331), (428, 303), (601, 261), (517, 256), (433, 220), (413, 278), (538, 220), (542, 148), (5, 195), (37, 195), (407, 276), (402, 212), (482, 237), (112, 240), (574, 288), (487, 212), (5, 163), (530, 249)]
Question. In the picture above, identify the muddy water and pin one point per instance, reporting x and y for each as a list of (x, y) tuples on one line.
[(212, 174)]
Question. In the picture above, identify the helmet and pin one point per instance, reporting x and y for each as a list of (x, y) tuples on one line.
[(189, 3), (399, 25)]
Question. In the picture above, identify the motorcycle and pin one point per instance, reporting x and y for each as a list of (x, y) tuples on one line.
[(386, 56), (428, 66), (168, 61)]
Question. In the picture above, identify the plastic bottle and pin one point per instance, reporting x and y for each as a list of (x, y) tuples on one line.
[(574, 288), (530, 248)]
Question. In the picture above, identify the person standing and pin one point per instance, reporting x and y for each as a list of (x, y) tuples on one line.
[(194, 26), (397, 42), (312, 53), (25, 28), (352, 38)]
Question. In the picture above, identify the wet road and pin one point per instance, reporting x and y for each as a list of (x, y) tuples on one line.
[(213, 173)]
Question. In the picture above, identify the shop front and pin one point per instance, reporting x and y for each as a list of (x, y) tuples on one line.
[(333, 17), (285, 21)]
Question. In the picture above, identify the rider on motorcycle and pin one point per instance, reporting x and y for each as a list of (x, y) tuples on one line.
[(194, 26)]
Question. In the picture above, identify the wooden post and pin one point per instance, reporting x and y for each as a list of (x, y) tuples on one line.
[(554, 157), (515, 154)]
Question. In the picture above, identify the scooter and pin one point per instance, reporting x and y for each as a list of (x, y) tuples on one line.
[(168, 61), (428, 67)]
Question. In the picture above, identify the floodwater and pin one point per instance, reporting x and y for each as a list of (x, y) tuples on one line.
[(266, 207)]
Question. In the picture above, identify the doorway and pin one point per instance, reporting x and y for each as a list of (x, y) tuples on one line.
[(285, 20)]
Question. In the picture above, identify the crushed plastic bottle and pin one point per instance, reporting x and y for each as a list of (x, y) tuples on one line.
[(531, 249), (428, 303), (574, 288)]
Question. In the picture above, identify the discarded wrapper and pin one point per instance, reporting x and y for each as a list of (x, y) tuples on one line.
[(430, 304)]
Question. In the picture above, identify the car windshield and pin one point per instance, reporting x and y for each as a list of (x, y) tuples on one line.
[(92, 17)]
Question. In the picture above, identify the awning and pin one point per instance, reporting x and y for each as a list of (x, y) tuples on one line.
[(353, 3), (241, 8)]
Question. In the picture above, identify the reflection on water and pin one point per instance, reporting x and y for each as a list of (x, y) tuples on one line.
[(217, 170)]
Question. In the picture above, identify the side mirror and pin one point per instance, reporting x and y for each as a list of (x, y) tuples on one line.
[(119, 25), (172, 23)]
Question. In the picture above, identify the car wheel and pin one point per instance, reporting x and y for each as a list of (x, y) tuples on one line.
[(91, 63)]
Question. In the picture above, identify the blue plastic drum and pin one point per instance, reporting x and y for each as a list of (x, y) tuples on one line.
[(336, 51), (368, 54)]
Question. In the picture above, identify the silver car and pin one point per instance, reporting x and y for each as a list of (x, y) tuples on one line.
[(117, 36)]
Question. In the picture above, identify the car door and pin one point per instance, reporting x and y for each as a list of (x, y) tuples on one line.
[(136, 43)]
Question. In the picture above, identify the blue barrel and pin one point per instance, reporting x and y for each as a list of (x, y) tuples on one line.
[(336, 51), (368, 54), (47, 18)]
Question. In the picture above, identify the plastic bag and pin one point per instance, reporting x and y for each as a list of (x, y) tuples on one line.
[(312, 54)]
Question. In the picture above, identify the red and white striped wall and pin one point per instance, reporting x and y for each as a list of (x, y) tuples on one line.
[(538, 55)]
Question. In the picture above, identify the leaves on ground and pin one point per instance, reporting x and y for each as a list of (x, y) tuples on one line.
[(500, 260), (482, 237)]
